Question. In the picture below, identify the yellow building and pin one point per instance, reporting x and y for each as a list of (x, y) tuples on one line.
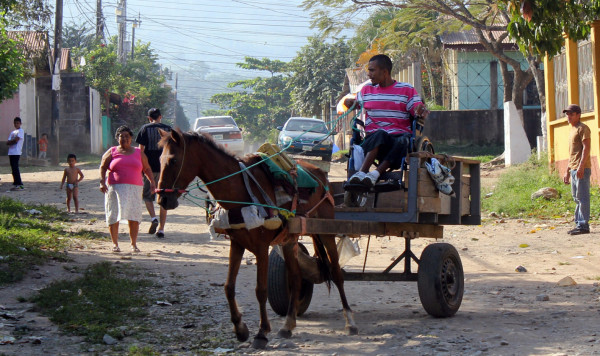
[(573, 77)]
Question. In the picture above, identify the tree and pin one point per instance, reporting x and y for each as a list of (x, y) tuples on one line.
[(318, 75), (483, 16), (538, 25), (139, 81), (26, 14), (78, 37), (263, 103), (13, 64)]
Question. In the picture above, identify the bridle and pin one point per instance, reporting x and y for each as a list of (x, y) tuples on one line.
[(173, 189)]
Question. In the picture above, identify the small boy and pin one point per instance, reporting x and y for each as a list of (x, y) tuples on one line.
[(73, 176), (43, 146)]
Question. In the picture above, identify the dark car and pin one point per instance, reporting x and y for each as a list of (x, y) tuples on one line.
[(306, 136)]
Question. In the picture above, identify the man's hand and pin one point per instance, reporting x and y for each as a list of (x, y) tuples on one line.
[(567, 177), (421, 110), (580, 172)]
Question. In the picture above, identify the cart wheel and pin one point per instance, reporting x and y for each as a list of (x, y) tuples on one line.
[(278, 295), (440, 280), (423, 144)]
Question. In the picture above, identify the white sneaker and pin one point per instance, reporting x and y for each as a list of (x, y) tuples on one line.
[(357, 178), (370, 179)]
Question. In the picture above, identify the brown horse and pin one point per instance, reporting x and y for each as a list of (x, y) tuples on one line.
[(189, 155)]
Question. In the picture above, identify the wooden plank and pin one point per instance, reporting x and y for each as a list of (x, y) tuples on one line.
[(354, 227)]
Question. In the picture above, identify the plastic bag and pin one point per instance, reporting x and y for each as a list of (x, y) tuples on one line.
[(441, 176), (347, 249), (358, 155)]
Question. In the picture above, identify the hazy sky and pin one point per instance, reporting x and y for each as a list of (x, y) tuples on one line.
[(219, 33)]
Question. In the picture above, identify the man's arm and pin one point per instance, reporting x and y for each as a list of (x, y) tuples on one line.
[(584, 157)]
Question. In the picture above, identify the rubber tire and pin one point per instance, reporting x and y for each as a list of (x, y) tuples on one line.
[(441, 280), (352, 199), (423, 144), (277, 288)]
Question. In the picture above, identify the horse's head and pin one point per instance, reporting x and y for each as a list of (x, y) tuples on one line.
[(174, 177)]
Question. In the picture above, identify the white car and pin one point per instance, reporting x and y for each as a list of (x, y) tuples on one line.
[(224, 130)]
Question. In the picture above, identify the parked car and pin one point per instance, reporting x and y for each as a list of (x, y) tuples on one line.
[(306, 136), (224, 130)]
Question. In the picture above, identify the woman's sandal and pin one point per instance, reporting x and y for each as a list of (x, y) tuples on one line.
[(135, 249), (116, 249)]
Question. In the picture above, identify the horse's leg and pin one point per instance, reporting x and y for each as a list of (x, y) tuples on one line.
[(262, 269), (236, 252), (294, 278), (336, 274)]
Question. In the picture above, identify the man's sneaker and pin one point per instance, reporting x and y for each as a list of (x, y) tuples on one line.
[(370, 178), (357, 178), (579, 231), (160, 234), (17, 188), (153, 226)]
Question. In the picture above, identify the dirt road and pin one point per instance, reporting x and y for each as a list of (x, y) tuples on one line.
[(503, 312)]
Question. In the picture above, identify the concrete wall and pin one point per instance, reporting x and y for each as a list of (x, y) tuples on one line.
[(74, 123), (476, 127)]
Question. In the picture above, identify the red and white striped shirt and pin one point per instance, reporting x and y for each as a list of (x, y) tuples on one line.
[(389, 108)]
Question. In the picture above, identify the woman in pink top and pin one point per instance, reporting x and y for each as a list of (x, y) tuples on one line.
[(123, 189)]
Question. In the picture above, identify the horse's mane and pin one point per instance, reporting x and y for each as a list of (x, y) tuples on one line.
[(203, 138)]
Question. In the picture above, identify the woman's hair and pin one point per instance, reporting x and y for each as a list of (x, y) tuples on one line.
[(122, 129)]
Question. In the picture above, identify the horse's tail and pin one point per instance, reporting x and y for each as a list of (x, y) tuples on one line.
[(322, 261)]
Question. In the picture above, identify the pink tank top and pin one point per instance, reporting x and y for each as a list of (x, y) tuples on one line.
[(125, 169)]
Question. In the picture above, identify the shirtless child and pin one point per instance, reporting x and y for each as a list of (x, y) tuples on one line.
[(73, 176)]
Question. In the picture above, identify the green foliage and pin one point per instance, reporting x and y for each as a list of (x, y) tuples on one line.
[(78, 37), (543, 34), (512, 194), (139, 78), (318, 75), (97, 303), (28, 14), (13, 64), (262, 102)]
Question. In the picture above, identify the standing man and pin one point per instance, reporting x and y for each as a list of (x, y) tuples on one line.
[(388, 106), (15, 146), (147, 139), (579, 169)]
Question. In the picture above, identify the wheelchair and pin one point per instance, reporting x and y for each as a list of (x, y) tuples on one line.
[(355, 194)]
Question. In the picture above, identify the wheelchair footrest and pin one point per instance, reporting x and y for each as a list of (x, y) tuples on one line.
[(381, 187)]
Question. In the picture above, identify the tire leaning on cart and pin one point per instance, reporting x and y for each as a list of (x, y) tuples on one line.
[(278, 294), (440, 280)]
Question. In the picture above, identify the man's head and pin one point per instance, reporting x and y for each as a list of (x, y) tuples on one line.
[(380, 69), (154, 114), (17, 122), (573, 114)]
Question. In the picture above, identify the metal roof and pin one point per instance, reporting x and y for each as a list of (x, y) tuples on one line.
[(34, 41), (470, 37)]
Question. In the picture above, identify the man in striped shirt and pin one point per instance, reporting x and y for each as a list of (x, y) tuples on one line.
[(388, 105)]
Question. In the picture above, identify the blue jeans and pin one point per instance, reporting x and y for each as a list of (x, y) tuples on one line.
[(580, 189)]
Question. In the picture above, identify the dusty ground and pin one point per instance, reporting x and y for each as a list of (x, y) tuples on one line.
[(502, 313)]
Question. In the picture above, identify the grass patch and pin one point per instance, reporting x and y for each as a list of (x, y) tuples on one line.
[(105, 298), (31, 238), (512, 194)]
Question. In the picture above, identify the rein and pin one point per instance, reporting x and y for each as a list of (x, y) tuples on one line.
[(173, 189)]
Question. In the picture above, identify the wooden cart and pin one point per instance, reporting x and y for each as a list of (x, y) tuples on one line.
[(418, 210)]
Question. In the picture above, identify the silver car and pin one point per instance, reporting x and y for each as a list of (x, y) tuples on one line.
[(224, 130)]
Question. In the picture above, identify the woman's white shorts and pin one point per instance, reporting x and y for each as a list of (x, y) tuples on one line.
[(123, 202)]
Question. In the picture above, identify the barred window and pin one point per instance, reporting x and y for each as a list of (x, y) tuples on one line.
[(561, 84), (585, 66)]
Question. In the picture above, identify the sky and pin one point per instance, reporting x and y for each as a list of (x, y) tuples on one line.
[(219, 33)]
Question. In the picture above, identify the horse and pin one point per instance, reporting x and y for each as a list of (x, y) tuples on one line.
[(189, 155)]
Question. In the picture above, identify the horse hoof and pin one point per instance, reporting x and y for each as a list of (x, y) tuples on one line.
[(286, 334), (242, 333), (260, 342), (352, 330)]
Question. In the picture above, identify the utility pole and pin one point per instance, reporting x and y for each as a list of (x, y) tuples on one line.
[(176, 79), (99, 21), (54, 127), (121, 13), (136, 22)]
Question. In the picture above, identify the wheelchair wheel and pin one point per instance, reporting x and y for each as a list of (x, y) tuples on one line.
[(423, 144)]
